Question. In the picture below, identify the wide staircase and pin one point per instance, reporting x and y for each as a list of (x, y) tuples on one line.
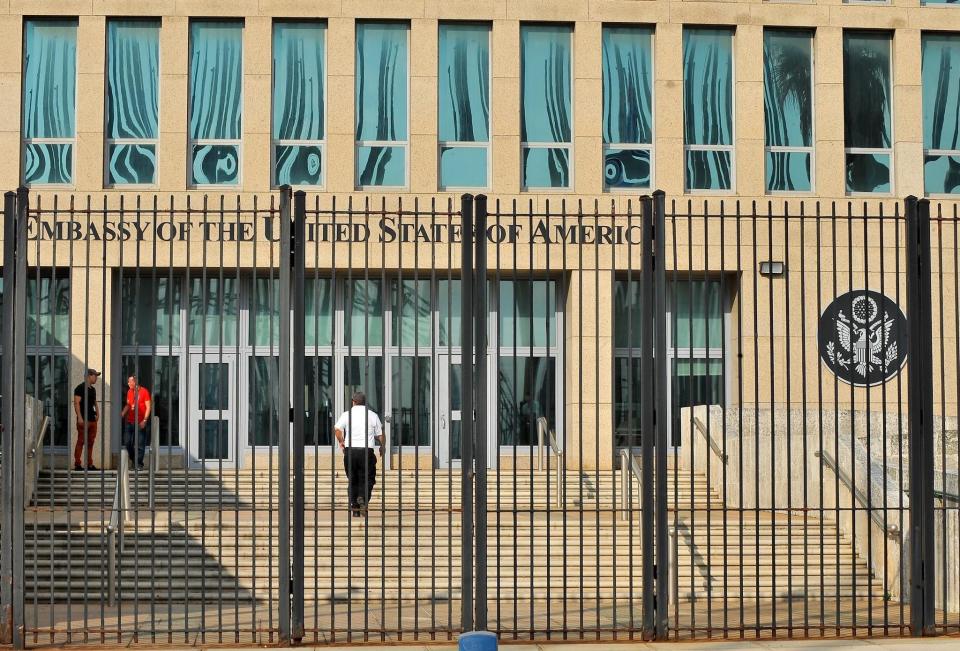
[(213, 537)]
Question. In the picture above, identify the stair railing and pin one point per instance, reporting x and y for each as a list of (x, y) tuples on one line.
[(629, 470), (547, 443), (700, 427), (118, 517), (892, 530)]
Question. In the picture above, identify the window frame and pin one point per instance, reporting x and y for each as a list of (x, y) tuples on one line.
[(27, 141), (275, 143), (937, 152), (651, 148), (202, 142), (812, 149), (567, 146), (441, 144), (400, 144), (731, 148), (847, 151)]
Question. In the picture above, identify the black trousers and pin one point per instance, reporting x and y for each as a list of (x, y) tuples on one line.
[(360, 464)]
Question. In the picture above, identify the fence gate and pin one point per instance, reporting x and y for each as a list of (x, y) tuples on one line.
[(591, 420)]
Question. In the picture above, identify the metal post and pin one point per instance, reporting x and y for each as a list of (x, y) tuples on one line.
[(661, 415), (283, 537), (7, 382), (299, 345), (19, 359), (466, 401), (920, 418), (647, 400), (480, 407)]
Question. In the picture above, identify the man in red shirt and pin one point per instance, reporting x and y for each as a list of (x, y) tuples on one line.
[(136, 420)]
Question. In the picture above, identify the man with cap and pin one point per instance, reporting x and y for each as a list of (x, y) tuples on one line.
[(88, 415), (357, 431)]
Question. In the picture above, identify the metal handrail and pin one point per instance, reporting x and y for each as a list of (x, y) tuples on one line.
[(628, 467), (154, 457), (892, 530), (38, 440), (700, 427), (118, 517), (545, 437)]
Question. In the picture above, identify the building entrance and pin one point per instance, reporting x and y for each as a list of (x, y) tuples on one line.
[(212, 398), (449, 416)]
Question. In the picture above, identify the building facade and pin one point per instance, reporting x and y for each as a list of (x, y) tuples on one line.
[(154, 136)]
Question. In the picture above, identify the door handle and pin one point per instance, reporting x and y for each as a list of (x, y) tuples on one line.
[(443, 422)]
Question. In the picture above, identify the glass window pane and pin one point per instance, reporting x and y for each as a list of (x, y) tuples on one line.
[(160, 375), (48, 310), (215, 384), (708, 86), (526, 391), (626, 168), (47, 380), (216, 66), (866, 89), (263, 427), (448, 295), (463, 167), (150, 311), (411, 313), (627, 400), (381, 166), (48, 163), (318, 383), (318, 306), (546, 167), (941, 174), (381, 81), (527, 313), (868, 173), (298, 165), (215, 165), (214, 309), (545, 83), (132, 164), (788, 88), (133, 78), (364, 374), (788, 171), (709, 170), (298, 80), (50, 79), (214, 439), (696, 382), (628, 313), (464, 79), (411, 393), (363, 320), (265, 312), (627, 85), (697, 313)]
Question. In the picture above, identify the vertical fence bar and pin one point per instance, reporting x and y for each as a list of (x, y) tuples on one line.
[(466, 402), (920, 424), (480, 419), (661, 410), (283, 535), (9, 379), (648, 396), (299, 345)]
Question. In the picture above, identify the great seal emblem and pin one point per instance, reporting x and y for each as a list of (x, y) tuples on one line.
[(863, 338)]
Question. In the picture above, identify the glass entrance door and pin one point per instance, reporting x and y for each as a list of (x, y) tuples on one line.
[(449, 421), (213, 399)]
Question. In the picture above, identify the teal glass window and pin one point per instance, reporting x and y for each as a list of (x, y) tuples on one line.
[(867, 111), (412, 324), (215, 102), (708, 108), (627, 107), (527, 313), (133, 86), (299, 93), (546, 113), (381, 104), (363, 313), (214, 312), (150, 310), (788, 109), (49, 101), (464, 105), (941, 113)]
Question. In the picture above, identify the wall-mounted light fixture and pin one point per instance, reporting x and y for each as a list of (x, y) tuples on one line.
[(772, 268)]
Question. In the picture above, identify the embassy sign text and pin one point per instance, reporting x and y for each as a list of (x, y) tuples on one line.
[(385, 230)]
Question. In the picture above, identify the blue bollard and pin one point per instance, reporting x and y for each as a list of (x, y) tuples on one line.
[(478, 641)]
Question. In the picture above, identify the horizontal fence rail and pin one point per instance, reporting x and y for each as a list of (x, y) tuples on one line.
[(581, 420)]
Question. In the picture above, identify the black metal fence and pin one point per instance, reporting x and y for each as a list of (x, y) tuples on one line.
[(627, 419)]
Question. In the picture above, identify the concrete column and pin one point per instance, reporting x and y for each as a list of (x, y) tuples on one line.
[(341, 33), (88, 154), (257, 103)]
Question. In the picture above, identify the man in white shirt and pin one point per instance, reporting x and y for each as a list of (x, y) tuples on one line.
[(357, 431)]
